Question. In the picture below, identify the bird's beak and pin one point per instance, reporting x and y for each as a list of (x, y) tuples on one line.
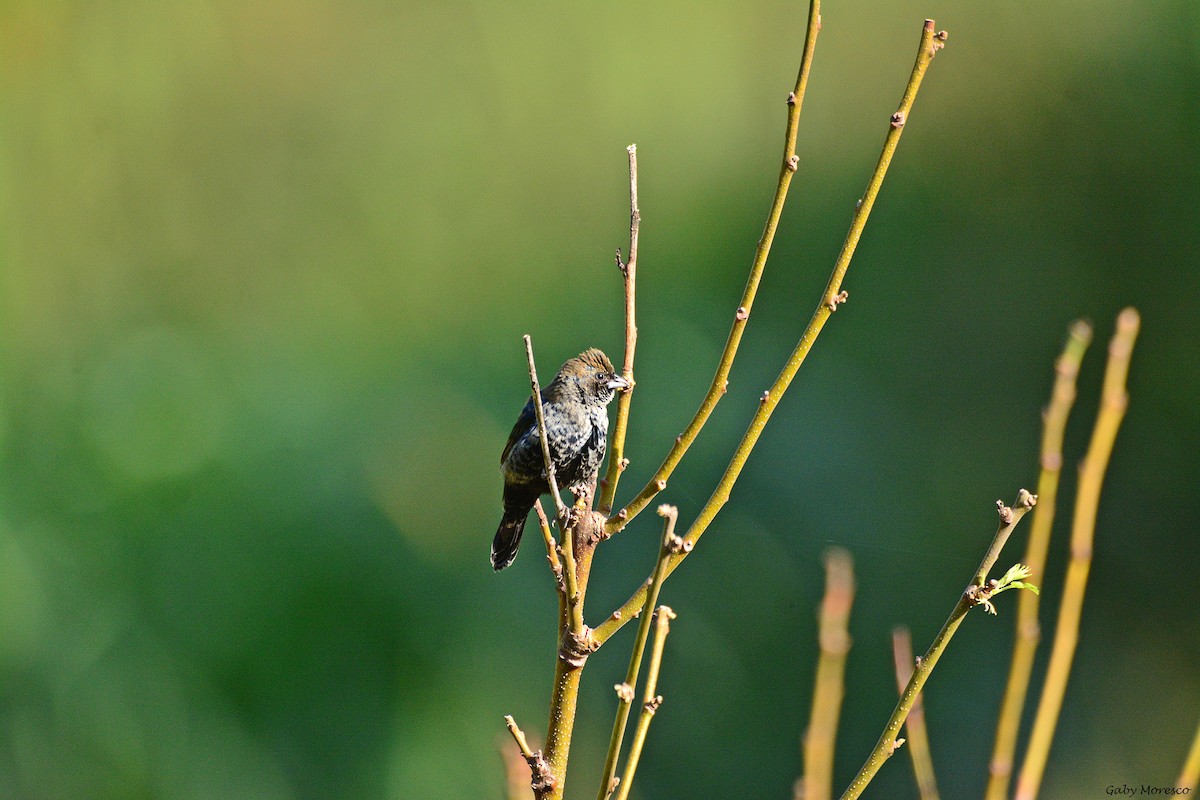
[(617, 382)]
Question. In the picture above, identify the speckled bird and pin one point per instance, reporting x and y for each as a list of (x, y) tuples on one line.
[(575, 405)]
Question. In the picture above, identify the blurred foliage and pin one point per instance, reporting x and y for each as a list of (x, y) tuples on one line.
[(265, 268)]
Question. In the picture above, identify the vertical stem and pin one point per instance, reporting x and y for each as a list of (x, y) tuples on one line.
[(1028, 630), (616, 458), (829, 683), (564, 697), (650, 700), (1114, 400), (930, 43), (914, 726), (625, 691), (720, 380)]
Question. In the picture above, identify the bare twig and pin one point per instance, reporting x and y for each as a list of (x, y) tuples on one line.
[(616, 458), (931, 42), (977, 593), (625, 691), (1113, 402), (650, 700), (560, 510), (720, 381), (1189, 776), (914, 726), (551, 546), (542, 779), (1028, 630), (829, 684)]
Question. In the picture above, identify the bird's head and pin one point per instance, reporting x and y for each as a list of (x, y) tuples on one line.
[(591, 376)]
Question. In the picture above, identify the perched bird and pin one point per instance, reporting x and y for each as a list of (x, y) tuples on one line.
[(575, 405)]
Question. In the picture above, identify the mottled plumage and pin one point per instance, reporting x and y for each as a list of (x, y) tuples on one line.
[(575, 405)]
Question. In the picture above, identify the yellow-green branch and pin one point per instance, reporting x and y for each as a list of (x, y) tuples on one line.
[(625, 691), (829, 683), (1113, 402), (1028, 630), (833, 295), (616, 458), (975, 594), (914, 726), (720, 380)]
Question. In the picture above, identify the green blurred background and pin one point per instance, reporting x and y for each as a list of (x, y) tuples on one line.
[(266, 266)]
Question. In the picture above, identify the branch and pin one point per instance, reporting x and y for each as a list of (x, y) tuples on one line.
[(976, 593), (914, 726), (1027, 627), (1113, 402), (1189, 776), (720, 381), (559, 508), (650, 700), (930, 43), (616, 459), (542, 780), (829, 684), (625, 691)]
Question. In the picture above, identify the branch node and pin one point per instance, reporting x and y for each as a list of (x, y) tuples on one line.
[(898, 119), (741, 313), (838, 299), (766, 397), (576, 647), (793, 162), (623, 464), (542, 778), (660, 484), (791, 98), (621, 265), (624, 692)]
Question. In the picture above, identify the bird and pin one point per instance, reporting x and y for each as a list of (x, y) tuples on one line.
[(575, 406)]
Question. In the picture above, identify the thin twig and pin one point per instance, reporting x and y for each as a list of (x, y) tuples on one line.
[(616, 459), (720, 381), (541, 778), (551, 546), (914, 726), (1114, 399), (625, 691), (1189, 776), (975, 594), (1028, 630), (829, 684), (931, 42), (559, 509), (650, 700)]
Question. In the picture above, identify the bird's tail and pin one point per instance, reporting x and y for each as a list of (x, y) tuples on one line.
[(508, 538)]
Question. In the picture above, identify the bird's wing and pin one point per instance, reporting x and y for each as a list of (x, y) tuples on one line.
[(527, 420)]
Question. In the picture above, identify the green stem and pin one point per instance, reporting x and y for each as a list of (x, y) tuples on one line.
[(833, 296), (887, 744), (625, 691), (720, 381), (616, 458), (650, 700), (1027, 628), (829, 684), (1114, 400), (914, 725)]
